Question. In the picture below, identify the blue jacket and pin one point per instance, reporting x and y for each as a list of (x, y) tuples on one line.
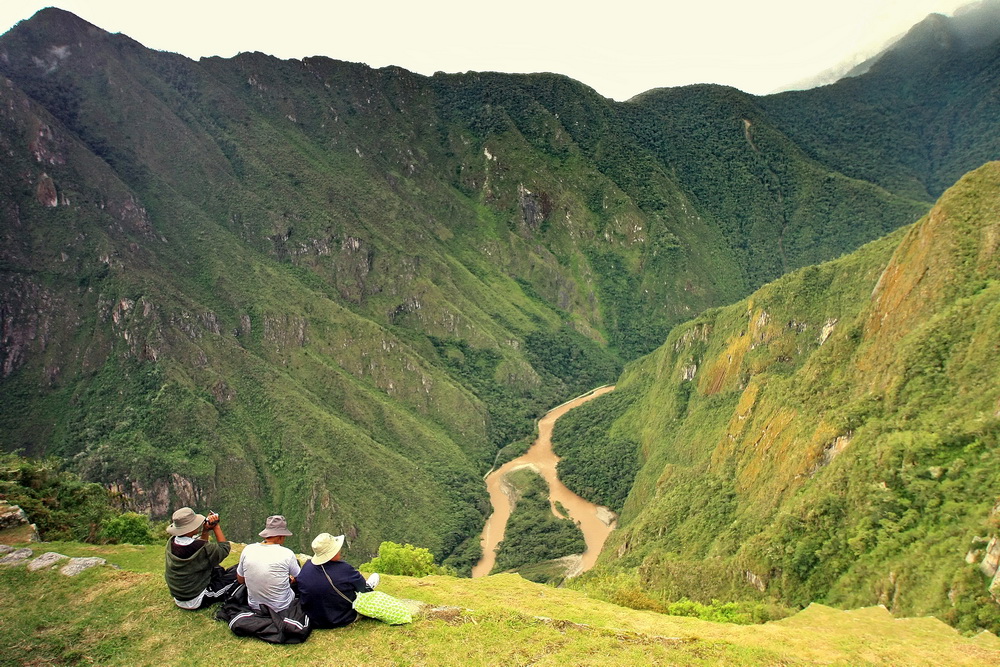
[(325, 608)]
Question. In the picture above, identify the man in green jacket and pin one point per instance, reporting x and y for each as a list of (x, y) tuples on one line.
[(193, 573)]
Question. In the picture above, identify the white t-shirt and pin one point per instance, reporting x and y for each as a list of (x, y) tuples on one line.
[(266, 568)]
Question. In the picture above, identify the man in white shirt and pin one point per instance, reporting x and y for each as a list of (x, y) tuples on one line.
[(268, 568)]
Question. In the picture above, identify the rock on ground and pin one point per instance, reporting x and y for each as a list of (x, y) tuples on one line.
[(16, 557), (78, 565), (46, 560)]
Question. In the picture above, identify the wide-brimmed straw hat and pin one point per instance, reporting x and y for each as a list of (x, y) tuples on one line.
[(325, 547), (275, 526), (184, 521)]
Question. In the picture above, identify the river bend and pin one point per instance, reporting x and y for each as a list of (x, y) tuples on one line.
[(595, 521)]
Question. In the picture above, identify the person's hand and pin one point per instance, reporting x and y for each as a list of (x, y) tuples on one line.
[(212, 520)]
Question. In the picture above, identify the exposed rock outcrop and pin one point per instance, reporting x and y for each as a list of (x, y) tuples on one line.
[(45, 192), (535, 208), (13, 517), (26, 310), (987, 554), (77, 565), (991, 558), (73, 567), (158, 499), (17, 557), (755, 580), (46, 560)]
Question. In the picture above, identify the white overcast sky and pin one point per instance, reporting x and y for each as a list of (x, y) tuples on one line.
[(619, 48)]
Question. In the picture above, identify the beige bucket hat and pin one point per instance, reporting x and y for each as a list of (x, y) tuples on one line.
[(184, 521), (325, 547)]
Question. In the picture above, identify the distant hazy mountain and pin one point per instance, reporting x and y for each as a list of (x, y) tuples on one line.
[(855, 65), (973, 26)]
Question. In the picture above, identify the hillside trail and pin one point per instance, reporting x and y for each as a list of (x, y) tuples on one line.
[(595, 521)]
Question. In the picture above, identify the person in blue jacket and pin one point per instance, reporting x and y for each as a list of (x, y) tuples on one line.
[(328, 585)]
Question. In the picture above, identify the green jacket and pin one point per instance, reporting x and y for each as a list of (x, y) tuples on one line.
[(188, 577)]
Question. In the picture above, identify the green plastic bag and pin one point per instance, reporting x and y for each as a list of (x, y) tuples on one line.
[(382, 606)]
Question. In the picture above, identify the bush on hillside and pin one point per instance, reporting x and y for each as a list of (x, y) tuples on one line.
[(127, 528), (404, 559)]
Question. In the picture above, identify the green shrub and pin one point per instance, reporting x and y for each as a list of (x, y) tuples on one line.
[(127, 528), (404, 559)]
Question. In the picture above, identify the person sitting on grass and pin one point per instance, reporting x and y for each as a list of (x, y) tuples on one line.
[(268, 568), (328, 585), (193, 574)]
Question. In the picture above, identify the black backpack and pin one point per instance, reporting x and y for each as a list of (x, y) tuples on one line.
[(290, 626)]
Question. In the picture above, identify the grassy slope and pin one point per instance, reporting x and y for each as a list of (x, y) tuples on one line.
[(854, 468), (125, 617)]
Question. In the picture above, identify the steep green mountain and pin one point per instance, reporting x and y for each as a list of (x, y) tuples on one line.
[(831, 438), (318, 289)]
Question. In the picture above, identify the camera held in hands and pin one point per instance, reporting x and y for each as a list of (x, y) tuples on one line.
[(212, 520)]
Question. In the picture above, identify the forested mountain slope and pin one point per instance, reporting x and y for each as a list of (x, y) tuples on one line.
[(314, 288), (833, 437)]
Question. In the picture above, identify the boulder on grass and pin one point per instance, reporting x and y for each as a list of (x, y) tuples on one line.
[(46, 560), (77, 565)]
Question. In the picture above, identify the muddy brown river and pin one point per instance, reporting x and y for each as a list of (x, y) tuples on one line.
[(595, 521)]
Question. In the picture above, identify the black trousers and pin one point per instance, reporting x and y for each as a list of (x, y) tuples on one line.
[(220, 587)]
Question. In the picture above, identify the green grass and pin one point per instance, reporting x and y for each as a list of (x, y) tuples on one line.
[(125, 616)]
